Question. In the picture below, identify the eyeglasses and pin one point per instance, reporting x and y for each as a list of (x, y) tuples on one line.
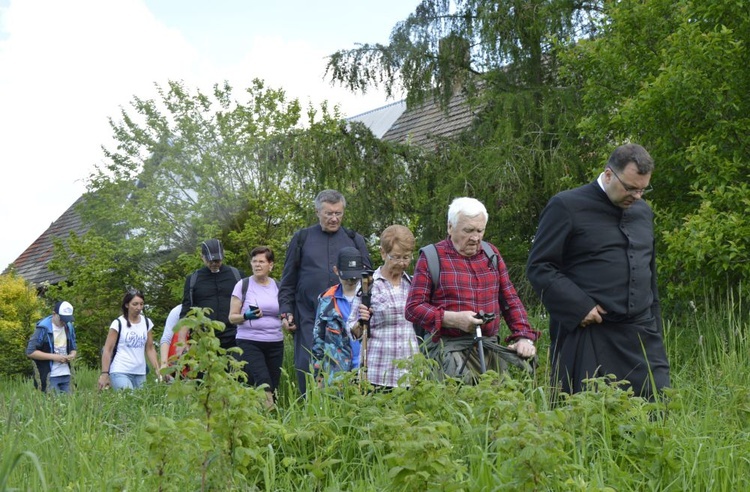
[(631, 190), (405, 258), (330, 215)]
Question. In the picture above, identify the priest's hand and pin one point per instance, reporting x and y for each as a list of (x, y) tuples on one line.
[(594, 316)]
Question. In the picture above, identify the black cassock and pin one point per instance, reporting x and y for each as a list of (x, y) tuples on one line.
[(588, 251)]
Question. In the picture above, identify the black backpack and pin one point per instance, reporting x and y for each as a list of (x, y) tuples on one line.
[(194, 278)]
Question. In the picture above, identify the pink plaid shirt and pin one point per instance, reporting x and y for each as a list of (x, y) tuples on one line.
[(391, 335)]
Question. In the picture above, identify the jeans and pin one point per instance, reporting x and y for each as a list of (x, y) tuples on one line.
[(121, 380), (60, 384)]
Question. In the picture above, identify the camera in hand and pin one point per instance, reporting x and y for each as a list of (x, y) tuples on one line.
[(485, 317)]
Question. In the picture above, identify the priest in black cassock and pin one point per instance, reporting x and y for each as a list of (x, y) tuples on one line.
[(593, 264)]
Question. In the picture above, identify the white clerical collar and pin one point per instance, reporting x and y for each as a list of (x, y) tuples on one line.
[(600, 180)]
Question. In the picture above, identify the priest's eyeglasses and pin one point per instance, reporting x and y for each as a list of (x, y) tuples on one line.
[(631, 189)]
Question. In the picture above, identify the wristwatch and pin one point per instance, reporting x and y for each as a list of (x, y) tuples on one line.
[(528, 340)]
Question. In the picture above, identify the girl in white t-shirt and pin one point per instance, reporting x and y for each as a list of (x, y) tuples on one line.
[(127, 369)]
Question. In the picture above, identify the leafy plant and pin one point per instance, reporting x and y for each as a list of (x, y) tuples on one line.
[(20, 309)]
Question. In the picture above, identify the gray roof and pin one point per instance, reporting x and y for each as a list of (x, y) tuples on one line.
[(380, 120)]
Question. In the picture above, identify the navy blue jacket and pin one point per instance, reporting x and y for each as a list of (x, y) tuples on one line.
[(43, 340)]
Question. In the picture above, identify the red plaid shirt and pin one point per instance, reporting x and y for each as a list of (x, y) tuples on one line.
[(466, 284)]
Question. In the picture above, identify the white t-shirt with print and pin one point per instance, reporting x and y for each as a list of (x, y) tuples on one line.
[(131, 350), (60, 339)]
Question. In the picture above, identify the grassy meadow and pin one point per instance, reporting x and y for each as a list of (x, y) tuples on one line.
[(502, 434)]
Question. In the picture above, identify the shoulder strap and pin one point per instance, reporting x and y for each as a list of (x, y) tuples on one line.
[(301, 238), (117, 340), (349, 232), (490, 254), (504, 306), (193, 279), (245, 284), (433, 264), (237, 276)]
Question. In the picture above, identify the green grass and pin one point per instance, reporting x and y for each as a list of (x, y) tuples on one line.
[(502, 434)]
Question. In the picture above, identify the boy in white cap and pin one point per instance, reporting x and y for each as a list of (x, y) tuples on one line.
[(52, 347)]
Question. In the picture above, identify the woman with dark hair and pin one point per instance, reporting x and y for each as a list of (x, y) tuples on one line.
[(255, 310), (129, 342)]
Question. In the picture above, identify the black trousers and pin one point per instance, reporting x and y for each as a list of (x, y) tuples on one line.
[(263, 362)]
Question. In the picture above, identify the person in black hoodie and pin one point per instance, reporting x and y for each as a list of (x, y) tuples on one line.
[(52, 347), (211, 287)]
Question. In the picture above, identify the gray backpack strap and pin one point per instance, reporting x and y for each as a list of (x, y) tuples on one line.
[(490, 254), (237, 276), (433, 263)]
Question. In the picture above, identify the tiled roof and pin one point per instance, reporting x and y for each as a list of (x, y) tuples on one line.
[(32, 264), (428, 122)]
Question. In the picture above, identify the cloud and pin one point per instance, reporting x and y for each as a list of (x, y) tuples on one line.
[(68, 66)]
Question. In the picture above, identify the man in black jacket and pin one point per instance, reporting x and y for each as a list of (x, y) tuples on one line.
[(211, 287), (593, 264), (308, 271)]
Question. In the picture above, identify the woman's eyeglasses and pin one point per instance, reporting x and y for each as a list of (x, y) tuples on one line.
[(403, 259)]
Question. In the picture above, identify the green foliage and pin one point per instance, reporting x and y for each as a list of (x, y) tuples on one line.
[(20, 309), (223, 429), (99, 271), (442, 46), (673, 77), (190, 165)]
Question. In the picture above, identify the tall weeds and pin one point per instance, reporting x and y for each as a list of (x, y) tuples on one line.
[(502, 433)]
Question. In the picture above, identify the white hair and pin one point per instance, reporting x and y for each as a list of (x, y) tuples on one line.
[(468, 207)]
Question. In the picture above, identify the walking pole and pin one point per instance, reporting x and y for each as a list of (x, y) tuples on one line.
[(365, 324), (480, 349)]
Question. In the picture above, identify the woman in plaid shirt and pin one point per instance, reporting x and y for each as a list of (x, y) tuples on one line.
[(391, 337)]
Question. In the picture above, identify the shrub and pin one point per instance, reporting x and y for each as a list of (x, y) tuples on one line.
[(20, 308)]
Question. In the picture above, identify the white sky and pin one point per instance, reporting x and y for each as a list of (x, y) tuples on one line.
[(68, 65)]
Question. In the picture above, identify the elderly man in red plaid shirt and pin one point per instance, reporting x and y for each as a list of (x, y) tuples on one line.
[(470, 283)]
